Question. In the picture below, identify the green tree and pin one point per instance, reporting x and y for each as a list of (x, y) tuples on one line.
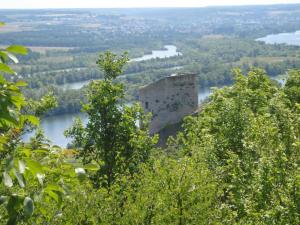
[(249, 136), (172, 191), (111, 138), (31, 176), (292, 85)]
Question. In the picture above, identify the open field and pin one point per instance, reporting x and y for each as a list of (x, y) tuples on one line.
[(55, 59), (15, 27), (43, 49), (263, 59)]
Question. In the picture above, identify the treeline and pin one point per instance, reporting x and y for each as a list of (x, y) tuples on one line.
[(213, 58), (212, 53), (68, 101), (39, 80)]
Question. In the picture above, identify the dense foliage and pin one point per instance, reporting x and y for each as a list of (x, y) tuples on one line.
[(249, 134), (34, 176), (237, 162)]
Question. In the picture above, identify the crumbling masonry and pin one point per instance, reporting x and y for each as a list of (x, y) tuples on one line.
[(169, 100)]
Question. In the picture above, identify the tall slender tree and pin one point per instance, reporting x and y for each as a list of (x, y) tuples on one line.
[(111, 138)]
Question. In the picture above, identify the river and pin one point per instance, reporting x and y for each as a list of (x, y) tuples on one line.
[(292, 38), (54, 126), (167, 52), (282, 38)]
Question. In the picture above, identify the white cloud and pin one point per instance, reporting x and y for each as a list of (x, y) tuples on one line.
[(130, 3)]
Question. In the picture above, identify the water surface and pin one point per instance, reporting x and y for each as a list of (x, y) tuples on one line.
[(54, 126), (282, 38), (75, 85), (169, 51)]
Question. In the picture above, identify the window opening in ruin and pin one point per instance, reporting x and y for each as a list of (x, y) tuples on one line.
[(146, 105)]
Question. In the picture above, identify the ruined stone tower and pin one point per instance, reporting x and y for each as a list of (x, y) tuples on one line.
[(169, 100)]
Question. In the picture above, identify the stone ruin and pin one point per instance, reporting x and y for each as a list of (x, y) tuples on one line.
[(169, 100)]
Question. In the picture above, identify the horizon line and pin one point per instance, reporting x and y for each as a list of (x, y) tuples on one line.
[(152, 7)]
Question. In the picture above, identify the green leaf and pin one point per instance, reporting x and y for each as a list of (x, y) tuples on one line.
[(3, 140), (17, 49), (14, 204), (42, 151), (28, 207), (3, 199), (12, 57), (18, 100), (7, 180), (53, 195), (2, 24), (26, 151), (6, 69), (7, 120), (22, 166), (54, 187), (19, 178), (55, 192), (34, 167), (32, 119), (12, 220), (40, 178), (9, 164), (21, 83), (91, 166), (3, 56), (80, 173)]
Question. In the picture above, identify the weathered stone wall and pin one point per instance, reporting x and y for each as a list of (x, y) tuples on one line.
[(169, 100)]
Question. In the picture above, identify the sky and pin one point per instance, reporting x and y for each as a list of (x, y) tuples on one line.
[(20, 4)]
